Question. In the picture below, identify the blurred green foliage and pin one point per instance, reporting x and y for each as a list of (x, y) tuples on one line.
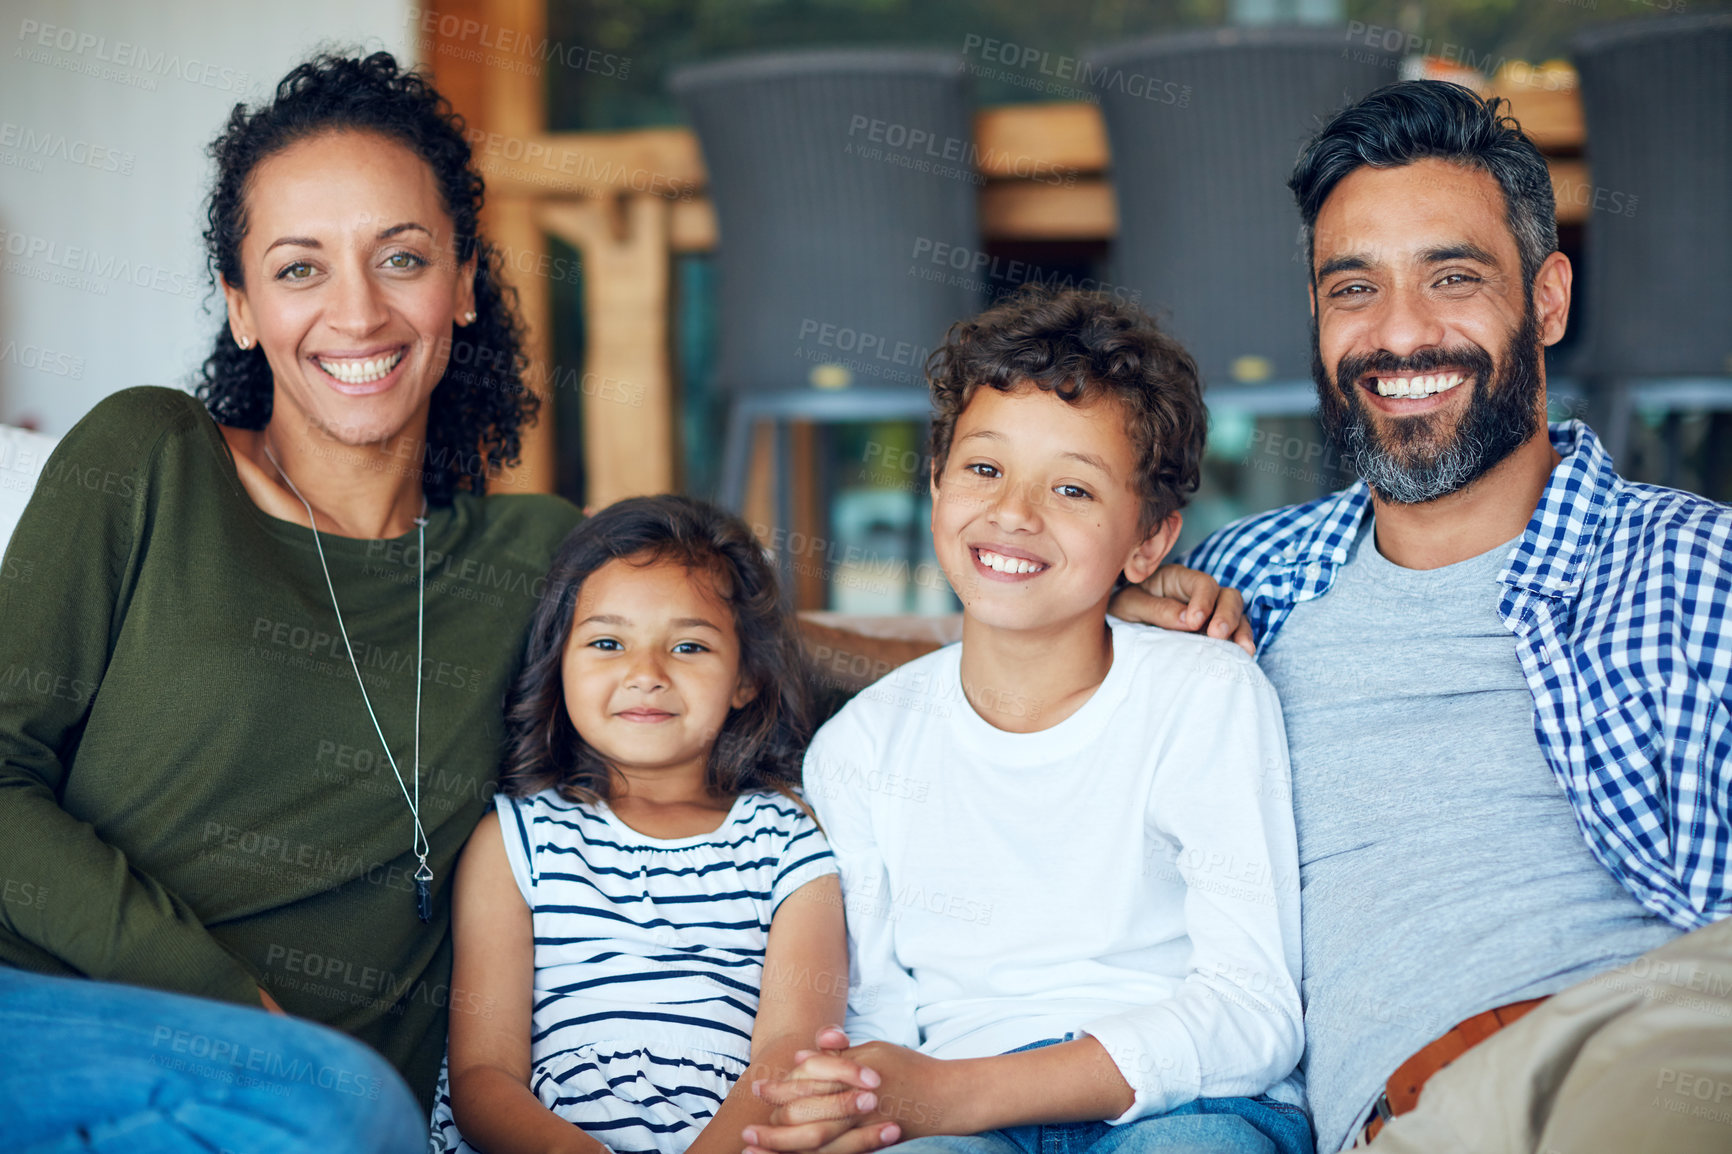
[(656, 35)]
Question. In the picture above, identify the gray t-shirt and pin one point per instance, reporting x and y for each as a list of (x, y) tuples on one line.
[(1441, 870)]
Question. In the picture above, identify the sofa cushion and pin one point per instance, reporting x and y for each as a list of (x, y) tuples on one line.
[(850, 652), (22, 455)]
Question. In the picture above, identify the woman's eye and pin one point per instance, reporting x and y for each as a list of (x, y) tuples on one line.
[(300, 270), (405, 260), (606, 643), (1075, 492)]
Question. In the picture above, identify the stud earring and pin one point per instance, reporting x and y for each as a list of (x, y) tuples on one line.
[(469, 317), (244, 342)]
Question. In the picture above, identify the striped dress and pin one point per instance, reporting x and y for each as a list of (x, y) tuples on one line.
[(648, 958)]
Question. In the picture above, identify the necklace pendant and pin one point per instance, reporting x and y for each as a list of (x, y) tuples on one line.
[(424, 893)]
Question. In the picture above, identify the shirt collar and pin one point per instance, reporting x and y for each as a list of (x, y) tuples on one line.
[(1553, 551), (1552, 555), (1332, 530)]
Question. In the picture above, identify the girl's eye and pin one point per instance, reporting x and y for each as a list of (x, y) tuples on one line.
[(1076, 492), (408, 260), (691, 647), (300, 270), (606, 643)]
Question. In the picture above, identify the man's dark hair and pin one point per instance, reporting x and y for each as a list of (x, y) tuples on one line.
[(1082, 346), (1415, 119)]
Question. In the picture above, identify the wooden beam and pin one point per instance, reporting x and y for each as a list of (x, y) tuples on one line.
[(1026, 210), (1552, 117), (460, 76), (516, 107), (1029, 141), (511, 224), (811, 573), (693, 228), (1573, 189), (629, 408), (660, 161), (759, 508)]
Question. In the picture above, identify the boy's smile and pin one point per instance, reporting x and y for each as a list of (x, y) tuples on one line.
[(1007, 563), (1034, 514)]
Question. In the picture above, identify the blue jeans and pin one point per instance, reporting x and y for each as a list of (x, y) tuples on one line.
[(1257, 1125), (92, 1066)]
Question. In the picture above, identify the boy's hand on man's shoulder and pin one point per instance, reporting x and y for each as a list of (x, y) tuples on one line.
[(1186, 601)]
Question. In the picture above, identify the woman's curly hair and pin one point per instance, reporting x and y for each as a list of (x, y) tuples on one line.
[(1080, 346), (481, 404), (761, 743)]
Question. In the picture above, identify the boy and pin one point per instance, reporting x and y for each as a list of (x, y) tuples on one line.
[(1066, 845)]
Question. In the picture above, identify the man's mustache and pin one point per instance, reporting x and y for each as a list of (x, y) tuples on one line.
[(1354, 366)]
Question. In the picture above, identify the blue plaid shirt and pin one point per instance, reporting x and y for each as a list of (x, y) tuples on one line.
[(1620, 599)]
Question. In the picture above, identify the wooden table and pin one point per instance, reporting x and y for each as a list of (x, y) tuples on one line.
[(627, 201)]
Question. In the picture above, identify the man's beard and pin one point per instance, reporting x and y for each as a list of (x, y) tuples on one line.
[(1411, 460)]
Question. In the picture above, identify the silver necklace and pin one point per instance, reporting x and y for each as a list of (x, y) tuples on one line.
[(419, 846)]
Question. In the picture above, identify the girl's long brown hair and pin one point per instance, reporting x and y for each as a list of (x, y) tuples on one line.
[(761, 743)]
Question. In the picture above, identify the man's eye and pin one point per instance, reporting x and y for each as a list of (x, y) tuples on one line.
[(605, 643), (300, 270), (1458, 280), (1355, 289), (1075, 492)]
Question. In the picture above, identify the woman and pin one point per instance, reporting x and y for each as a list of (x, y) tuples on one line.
[(251, 701)]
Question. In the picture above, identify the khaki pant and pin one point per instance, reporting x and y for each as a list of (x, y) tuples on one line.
[(1635, 1061)]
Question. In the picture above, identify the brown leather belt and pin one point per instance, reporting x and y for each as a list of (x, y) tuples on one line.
[(1401, 1094)]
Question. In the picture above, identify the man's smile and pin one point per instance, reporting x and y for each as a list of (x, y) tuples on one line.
[(1412, 384)]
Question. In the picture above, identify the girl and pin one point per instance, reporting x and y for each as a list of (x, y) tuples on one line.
[(650, 917)]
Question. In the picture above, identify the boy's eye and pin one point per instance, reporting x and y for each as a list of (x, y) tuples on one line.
[(981, 469), (691, 647), (1076, 492), (606, 643)]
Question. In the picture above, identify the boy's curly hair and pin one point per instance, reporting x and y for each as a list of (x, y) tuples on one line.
[(1082, 346)]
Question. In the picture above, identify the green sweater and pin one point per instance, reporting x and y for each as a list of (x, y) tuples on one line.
[(192, 795)]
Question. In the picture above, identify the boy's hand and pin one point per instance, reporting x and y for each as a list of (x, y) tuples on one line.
[(1186, 600), (827, 1104), (849, 1101)]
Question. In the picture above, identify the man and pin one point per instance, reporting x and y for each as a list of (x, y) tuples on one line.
[(1504, 672)]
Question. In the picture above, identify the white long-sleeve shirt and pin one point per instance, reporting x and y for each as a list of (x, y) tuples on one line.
[(1130, 873)]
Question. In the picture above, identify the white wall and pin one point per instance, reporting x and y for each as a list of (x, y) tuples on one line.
[(103, 174)]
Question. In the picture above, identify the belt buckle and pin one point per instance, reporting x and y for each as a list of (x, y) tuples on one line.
[(1381, 1114)]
